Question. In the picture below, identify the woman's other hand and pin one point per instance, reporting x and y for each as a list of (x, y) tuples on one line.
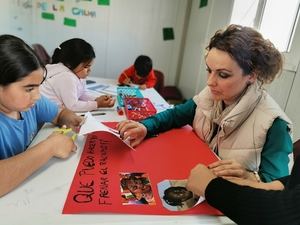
[(230, 168)]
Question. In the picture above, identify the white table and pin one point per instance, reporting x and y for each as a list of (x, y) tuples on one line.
[(40, 199), (159, 103)]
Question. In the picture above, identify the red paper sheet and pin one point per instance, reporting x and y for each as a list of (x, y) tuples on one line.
[(171, 155)]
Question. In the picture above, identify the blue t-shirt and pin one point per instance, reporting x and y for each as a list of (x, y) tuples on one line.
[(16, 135)]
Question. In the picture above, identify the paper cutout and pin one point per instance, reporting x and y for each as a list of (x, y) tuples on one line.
[(69, 22), (168, 33), (203, 3), (91, 124), (103, 2), (48, 16), (83, 12), (96, 183), (175, 197)]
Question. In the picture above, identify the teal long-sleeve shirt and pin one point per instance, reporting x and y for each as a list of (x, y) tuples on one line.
[(275, 152)]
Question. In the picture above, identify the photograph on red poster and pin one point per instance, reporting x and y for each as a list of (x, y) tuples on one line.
[(136, 189)]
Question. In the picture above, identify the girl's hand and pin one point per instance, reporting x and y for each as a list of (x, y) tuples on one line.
[(60, 145), (105, 101), (68, 119), (230, 168), (133, 131), (199, 178)]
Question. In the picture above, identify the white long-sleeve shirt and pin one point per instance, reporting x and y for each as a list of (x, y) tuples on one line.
[(64, 88)]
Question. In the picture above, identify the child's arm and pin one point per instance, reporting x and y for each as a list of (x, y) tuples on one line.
[(125, 76), (124, 79), (17, 168), (68, 118)]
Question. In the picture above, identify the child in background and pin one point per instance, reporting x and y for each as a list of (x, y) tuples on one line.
[(141, 73), (65, 84), (22, 111)]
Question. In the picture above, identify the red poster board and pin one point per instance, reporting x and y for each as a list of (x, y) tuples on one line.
[(171, 155)]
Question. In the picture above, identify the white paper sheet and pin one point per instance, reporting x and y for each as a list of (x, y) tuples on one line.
[(91, 124)]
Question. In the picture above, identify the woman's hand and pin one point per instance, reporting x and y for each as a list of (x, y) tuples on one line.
[(230, 168), (199, 178), (60, 145), (105, 101), (133, 131)]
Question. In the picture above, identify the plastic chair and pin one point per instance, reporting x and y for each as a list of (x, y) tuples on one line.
[(41, 53), (170, 93), (159, 86)]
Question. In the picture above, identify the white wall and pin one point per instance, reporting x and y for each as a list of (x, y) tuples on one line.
[(118, 33), (125, 29), (135, 27), (203, 24), (292, 104), (15, 18), (5, 18)]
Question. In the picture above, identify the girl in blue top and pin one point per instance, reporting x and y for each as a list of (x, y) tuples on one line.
[(22, 111)]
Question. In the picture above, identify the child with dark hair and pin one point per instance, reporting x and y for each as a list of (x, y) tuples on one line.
[(65, 85), (22, 111), (140, 73)]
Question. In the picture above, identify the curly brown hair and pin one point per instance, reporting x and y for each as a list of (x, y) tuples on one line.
[(250, 50)]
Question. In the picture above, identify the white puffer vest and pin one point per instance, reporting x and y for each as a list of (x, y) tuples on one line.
[(245, 142)]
